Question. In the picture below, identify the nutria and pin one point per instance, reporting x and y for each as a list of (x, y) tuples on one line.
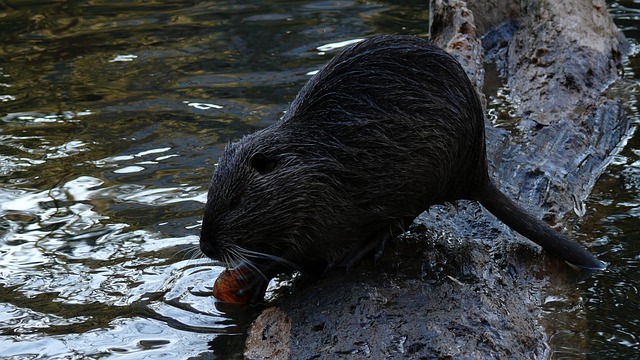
[(387, 128)]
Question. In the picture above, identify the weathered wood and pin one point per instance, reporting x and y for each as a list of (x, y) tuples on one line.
[(452, 27), (461, 284), (557, 65)]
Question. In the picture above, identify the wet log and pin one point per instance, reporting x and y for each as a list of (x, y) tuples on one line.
[(460, 283)]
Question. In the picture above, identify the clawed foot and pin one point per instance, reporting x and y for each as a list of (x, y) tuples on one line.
[(352, 258), (375, 244)]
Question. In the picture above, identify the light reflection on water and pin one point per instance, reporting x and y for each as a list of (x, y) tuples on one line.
[(111, 120), (112, 117)]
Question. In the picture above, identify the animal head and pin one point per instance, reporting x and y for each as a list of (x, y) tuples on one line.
[(268, 202)]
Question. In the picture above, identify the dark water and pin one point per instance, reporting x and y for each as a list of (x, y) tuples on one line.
[(112, 117)]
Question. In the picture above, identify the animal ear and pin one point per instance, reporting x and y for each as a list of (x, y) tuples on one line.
[(262, 163)]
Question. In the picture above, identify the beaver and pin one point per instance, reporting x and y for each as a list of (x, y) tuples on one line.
[(388, 127)]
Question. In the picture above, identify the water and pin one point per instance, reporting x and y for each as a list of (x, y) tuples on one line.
[(113, 115)]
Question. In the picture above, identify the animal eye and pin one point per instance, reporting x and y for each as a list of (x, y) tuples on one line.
[(262, 163)]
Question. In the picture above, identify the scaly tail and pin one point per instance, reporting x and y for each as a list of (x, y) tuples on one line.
[(536, 230)]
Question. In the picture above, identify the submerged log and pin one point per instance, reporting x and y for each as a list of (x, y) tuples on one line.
[(461, 284)]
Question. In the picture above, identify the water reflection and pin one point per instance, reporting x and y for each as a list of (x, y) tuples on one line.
[(112, 117)]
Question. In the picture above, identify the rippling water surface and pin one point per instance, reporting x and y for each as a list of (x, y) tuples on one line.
[(112, 117)]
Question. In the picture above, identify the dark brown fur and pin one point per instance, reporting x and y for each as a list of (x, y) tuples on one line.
[(387, 128)]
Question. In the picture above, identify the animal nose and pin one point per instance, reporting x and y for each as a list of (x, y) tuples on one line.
[(209, 248)]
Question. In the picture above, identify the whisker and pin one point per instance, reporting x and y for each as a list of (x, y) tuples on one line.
[(278, 259), (239, 253), (228, 260), (194, 253), (191, 253), (184, 252)]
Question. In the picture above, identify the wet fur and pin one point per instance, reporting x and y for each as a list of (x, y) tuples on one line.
[(387, 128)]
